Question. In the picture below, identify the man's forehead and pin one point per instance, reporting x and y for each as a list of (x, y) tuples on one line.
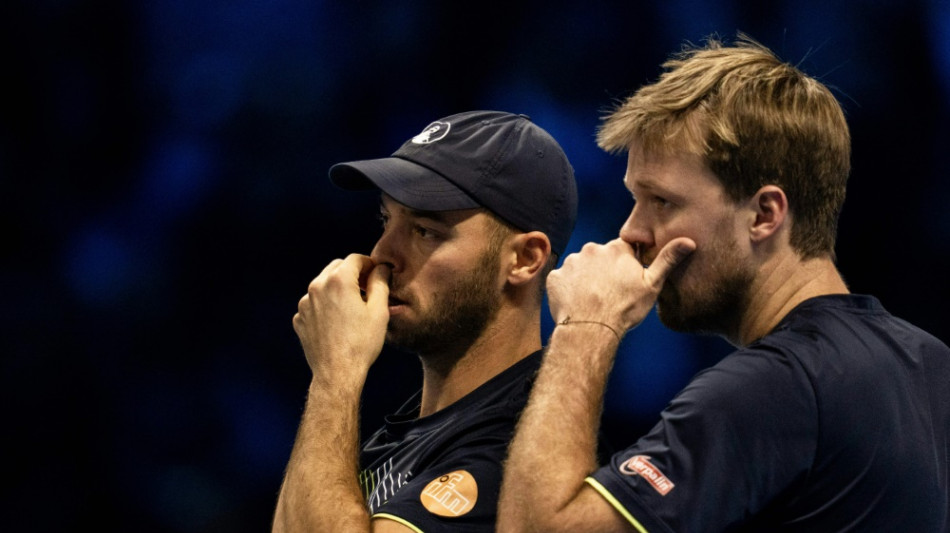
[(642, 180), (664, 171), (452, 216)]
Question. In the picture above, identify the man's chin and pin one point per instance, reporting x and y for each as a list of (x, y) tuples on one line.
[(395, 333), (400, 343), (668, 305), (670, 311), (670, 319), (400, 324)]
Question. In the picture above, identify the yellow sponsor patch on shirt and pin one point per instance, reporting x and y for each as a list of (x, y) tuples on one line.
[(450, 495)]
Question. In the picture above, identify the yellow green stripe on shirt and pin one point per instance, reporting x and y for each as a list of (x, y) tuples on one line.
[(616, 504), (395, 518)]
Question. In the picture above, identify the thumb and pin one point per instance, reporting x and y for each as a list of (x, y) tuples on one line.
[(377, 286), (669, 257)]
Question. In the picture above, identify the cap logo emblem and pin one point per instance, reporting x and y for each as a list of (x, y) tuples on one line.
[(453, 494), (433, 132)]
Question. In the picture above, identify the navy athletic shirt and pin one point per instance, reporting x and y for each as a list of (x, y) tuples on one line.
[(443, 472), (837, 420)]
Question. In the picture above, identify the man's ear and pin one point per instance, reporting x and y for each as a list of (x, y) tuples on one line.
[(531, 253), (770, 207)]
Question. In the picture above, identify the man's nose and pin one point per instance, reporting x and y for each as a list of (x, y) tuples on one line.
[(637, 234), (385, 251)]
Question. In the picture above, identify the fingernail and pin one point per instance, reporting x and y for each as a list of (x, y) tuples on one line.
[(683, 249)]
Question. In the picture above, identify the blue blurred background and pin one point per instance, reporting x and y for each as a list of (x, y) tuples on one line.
[(164, 203)]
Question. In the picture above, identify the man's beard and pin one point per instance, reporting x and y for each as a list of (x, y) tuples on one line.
[(458, 316), (715, 303)]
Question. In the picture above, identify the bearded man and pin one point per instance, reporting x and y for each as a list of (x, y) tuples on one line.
[(475, 211), (832, 415)]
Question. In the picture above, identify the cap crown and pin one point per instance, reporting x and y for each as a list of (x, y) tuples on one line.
[(507, 164)]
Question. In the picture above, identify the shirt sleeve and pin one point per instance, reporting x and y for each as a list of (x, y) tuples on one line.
[(731, 442), (457, 493)]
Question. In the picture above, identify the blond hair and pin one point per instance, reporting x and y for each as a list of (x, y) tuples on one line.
[(756, 121)]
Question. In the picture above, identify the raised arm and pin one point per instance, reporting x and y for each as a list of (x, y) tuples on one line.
[(341, 332), (597, 295)]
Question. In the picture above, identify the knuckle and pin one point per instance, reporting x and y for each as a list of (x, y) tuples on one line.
[(315, 283), (331, 266), (331, 283), (319, 284)]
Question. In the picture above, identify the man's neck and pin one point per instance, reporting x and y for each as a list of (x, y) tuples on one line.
[(507, 339), (781, 285)]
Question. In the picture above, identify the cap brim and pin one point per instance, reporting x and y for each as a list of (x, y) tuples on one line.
[(408, 183)]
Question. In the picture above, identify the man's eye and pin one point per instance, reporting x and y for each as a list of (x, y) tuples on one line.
[(383, 219), (424, 232)]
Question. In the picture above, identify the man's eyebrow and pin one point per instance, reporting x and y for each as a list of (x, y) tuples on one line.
[(438, 216), (648, 184)]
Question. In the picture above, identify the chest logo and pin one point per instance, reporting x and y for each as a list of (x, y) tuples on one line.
[(640, 465), (450, 495)]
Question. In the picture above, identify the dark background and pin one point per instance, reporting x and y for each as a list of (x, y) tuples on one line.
[(164, 203)]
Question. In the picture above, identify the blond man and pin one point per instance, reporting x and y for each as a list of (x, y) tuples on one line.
[(831, 415)]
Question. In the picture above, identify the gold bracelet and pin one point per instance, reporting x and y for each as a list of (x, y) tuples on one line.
[(567, 321)]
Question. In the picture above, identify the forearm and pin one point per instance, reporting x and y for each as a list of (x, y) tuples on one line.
[(320, 490), (555, 445)]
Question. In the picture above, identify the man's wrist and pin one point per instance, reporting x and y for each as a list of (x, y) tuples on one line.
[(584, 337), (570, 321)]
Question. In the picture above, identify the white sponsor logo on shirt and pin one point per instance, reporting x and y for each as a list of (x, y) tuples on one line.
[(640, 465)]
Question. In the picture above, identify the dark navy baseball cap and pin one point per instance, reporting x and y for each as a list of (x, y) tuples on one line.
[(499, 161)]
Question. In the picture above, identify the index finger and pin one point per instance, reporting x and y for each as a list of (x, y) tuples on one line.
[(623, 245), (360, 266), (377, 285)]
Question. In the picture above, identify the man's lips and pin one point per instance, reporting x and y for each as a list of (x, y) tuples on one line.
[(396, 304)]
